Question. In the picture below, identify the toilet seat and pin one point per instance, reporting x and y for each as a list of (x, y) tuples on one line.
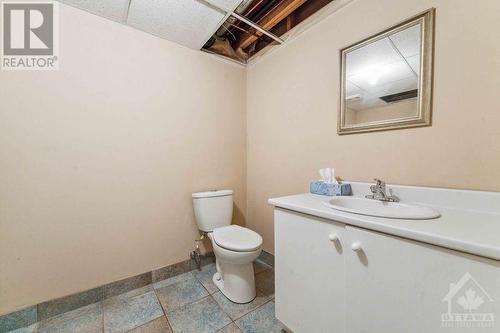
[(236, 238)]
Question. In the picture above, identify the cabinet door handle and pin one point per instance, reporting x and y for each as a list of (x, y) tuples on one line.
[(356, 246), (333, 237)]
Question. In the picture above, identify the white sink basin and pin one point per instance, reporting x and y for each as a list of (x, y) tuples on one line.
[(393, 210)]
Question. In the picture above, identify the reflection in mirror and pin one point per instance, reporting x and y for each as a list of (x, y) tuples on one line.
[(382, 79)]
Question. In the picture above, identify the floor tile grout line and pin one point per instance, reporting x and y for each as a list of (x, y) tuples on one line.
[(246, 313), (198, 280), (190, 303), (169, 324), (229, 315), (144, 324), (164, 312), (232, 322), (205, 297), (147, 322), (258, 307), (240, 328), (220, 307), (102, 315)]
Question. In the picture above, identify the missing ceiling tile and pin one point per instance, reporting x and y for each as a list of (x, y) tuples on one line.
[(275, 16)]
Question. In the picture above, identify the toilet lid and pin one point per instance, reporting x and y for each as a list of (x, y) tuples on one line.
[(236, 238)]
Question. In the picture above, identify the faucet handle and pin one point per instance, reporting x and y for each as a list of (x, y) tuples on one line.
[(379, 192)]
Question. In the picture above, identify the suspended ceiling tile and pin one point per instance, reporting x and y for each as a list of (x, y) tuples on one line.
[(371, 80), (414, 63), (351, 89), (228, 5), (370, 57), (112, 9), (187, 22), (408, 41)]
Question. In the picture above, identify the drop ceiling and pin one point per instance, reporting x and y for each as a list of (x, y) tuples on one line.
[(187, 22), (241, 41), (236, 29)]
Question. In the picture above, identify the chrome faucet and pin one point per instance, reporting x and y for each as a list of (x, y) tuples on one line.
[(379, 192)]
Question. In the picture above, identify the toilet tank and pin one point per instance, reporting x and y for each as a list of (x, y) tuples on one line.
[(213, 209)]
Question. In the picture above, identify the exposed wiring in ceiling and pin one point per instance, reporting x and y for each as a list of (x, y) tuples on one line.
[(227, 29)]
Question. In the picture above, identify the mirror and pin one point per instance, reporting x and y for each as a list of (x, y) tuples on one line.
[(386, 80)]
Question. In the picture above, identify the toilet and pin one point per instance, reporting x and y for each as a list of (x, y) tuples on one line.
[(235, 247)]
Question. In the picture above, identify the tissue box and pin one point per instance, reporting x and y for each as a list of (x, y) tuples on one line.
[(319, 187)]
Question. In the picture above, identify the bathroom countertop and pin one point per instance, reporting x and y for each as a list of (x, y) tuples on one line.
[(467, 230)]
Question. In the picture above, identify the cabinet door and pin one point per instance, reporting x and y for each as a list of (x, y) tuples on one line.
[(394, 285), (309, 273)]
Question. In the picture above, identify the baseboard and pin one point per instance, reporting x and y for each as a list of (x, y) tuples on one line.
[(38, 312), (267, 258)]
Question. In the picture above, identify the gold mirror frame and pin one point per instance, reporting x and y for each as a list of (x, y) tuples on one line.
[(424, 104)]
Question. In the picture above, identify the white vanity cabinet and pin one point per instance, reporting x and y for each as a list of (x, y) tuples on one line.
[(309, 272), (368, 281), (395, 285)]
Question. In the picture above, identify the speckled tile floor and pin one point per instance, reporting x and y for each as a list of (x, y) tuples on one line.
[(186, 303)]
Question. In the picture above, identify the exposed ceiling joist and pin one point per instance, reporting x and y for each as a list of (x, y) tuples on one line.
[(276, 15), (256, 24)]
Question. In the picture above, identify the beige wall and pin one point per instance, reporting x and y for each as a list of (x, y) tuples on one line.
[(98, 160), (292, 99)]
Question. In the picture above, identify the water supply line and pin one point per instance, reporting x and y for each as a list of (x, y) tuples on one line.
[(196, 255)]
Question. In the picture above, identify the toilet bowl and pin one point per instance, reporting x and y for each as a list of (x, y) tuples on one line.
[(235, 247), (235, 250)]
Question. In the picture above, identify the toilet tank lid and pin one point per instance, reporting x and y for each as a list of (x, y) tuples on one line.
[(210, 194)]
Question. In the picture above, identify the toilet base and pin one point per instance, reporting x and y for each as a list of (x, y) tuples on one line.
[(237, 282), (235, 275)]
